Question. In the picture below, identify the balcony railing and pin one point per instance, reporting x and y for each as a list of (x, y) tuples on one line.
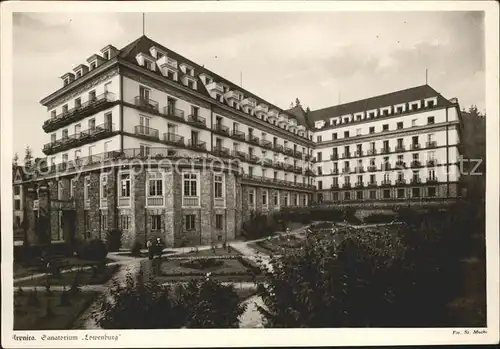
[(154, 201), (385, 167), (267, 162), (146, 131), (415, 163), (238, 134), (219, 128), (221, 151), (386, 182), (307, 157), (288, 151), (266, 144), (346, 185), (372, 151), (279, 165), (431, 162), (146, 103), (400, 148), (416, 180), (261, 179), (372, 184), (297, 169), (278, 147), (400, 181), (78, 112), (288, 167), (334, 157), (197, 144), (346, 155), (346, 170), (372, 168), (190, 201), (358, 153), (431, 144), (173, 138), (253, 139), (359, 185), (385, 150), (415, 146), (239, 154), (359, 169), (253, 158), (400, 164), (196, 121), (431, 180), (297, 154), (334, 171), (176, 114), (79, 138)]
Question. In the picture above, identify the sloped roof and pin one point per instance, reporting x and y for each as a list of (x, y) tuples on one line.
[(385, 100), (143, 44), (299, 114)]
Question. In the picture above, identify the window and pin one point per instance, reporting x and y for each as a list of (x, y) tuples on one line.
[(264, 197), (401, 193), (125, 185), (86, 188), (79, 74), (347, 195), (93, 65), (359, 195), (431, 192), (195, 110), (387, 193), (319, 156), (358, 132), (319, 139), (320, 185), (92, 96), (334, 136), (415, 192), (106, 55), (155, 184), (385, 127), (148, 64), (53, 138), (155, 222), (17, 190), (346, 134), (399, 125), (171, 74), (414, 122), (189, 222), (372, 130), (17, 204), (65, 133), (373, 194), (78, 103), (276, 199), (72, 188), (218, 186), (219, 221), (92, 124), (124, 222), (53, 114), (251, 197), (190, 184), (430, 120), (103, 221)]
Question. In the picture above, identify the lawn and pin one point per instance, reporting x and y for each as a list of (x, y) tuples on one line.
[(216, 252), (22, 269), (87, 277), (35, 317)]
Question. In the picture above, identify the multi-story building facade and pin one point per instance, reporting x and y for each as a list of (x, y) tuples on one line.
[(148, 142), (400, 147)]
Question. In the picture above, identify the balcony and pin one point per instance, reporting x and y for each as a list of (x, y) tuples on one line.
[(279, 165), (146, 104), (309, 172), (400, 148), (431, 162), (400, 164), (288, 151), (267, 162), (272, 114), (173, 139), (240, 155), (238, 135), (334, 171), (359, 169), (282, 119), (386, 183), (372, 168), (221, 129), (197, 144), (261, 110), (232, 95), (415, 146), (346, 185), (358, 153), (334, 186), (288, 167), (173, 113), (432, 179), (278, 147), (266, 144), (431, 144), (346, 155), (297, 169), (307, 157), (334, 157), (253, 139), (196, 121), (297, 154), (221, 151), (385, 150), (77, 139), (146, 131), (385, 167), (359, 185), (346, 170), (372, 184), (254, 159), (400, 181), (372, 152), (92, 106), (214, 87), (415, 164), (416, 180)]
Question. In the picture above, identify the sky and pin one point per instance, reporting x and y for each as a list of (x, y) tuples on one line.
[(321, 58)]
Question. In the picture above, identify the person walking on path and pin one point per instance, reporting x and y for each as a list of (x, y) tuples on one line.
[(151, 251)]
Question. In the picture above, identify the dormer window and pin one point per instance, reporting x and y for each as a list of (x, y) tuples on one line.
[(66, 81), (106, 55), (93, 65), (189, 71), (159, 55), (171, 74), (78, 74), (148, 65), (190, 84), (208, 80)]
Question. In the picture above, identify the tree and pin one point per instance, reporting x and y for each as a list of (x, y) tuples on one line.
[(28, 157), (15, 160), (297, 102)]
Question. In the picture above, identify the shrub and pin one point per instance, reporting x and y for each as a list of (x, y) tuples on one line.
[(136, 249), (114, 240), (94, 250), (202, 263)]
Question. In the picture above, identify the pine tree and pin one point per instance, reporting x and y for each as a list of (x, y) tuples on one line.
[(15, 160), (28, 157)]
